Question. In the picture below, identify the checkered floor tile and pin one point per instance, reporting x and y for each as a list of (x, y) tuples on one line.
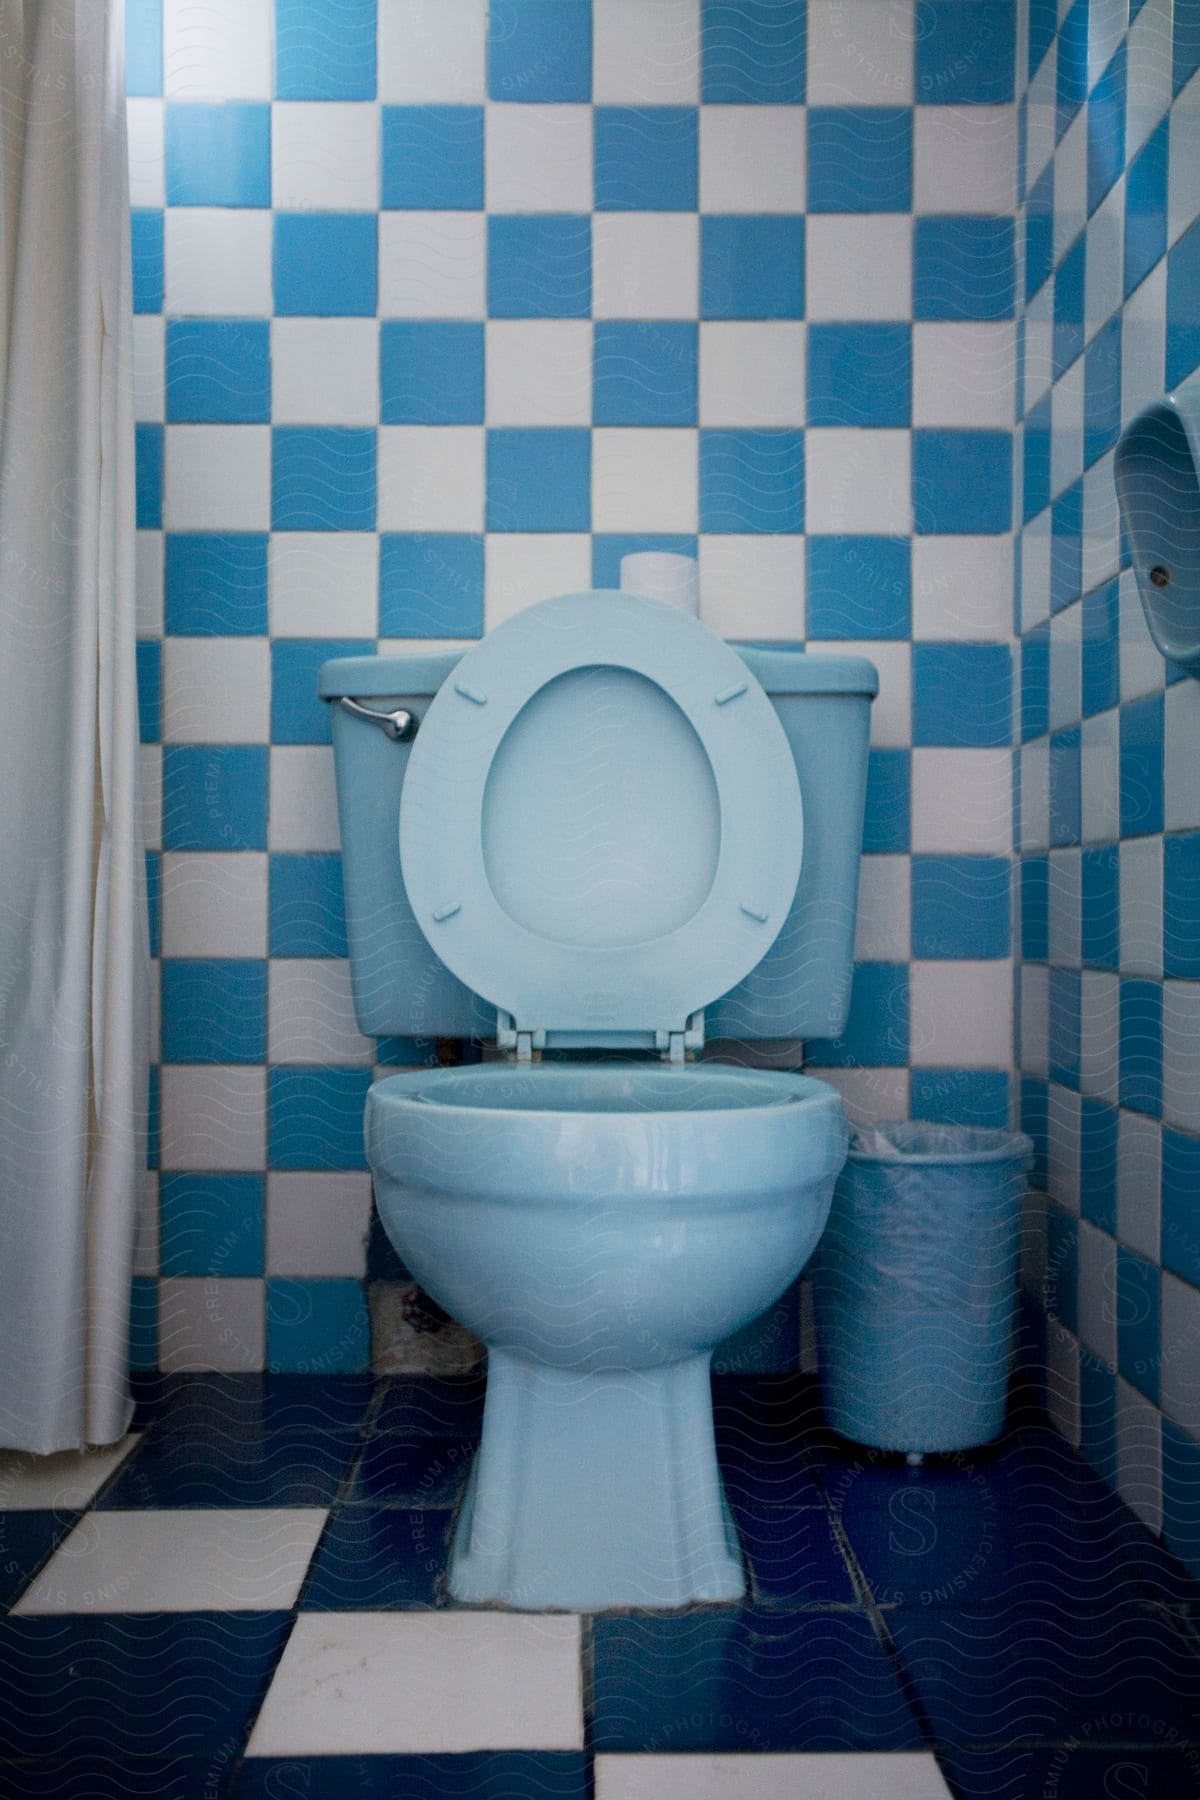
[(249, 1592)]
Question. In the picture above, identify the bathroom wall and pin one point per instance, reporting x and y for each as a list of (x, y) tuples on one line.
[(1109, 775), (440, 313)]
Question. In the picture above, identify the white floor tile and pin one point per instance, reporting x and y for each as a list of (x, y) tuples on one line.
[(861, 1776), (179, 1561), (391, 1683), (62, 1483)]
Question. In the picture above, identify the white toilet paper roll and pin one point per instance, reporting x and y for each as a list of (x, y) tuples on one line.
[(661, 575)]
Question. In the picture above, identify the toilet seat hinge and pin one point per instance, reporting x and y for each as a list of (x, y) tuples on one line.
[(682, 1046)]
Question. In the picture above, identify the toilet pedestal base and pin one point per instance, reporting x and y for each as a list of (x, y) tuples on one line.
[(595, 1490)]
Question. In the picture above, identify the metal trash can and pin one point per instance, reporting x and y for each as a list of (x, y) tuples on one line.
[(915, 1282)]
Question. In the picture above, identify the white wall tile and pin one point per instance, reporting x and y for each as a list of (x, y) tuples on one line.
[(149, 368), (964, 159), (1066, 673), (1101, 525), (218, 261), (1103, 259), (1148, 77), (861, 54), (216, 690), (303, 812), (1099, 1035), (1139, 1184), (146, 169), (752, 373), (323, 583), (1108, 21), (963, 374), (1070, 185), (1063, 1159), (214, 1117), (858, 266), (1143, 343), (1066, 429), (1039, 344), (325, 372), (317, 1224), (1064, 901), (218, 50), (1141, 888), (310, 1013), (432, 50), (962, 589), (962, 801), (1100, 778), (645, 265), (432, 265), (525, 567), (961, 1014), (431, 478), (205, 1324), (1181, 1054), (217, 478), (150, 795), (214, 903), (539, 371), (1143, 670), (1181, 777), (1035, 796), (884, 931), (325, 155), (148, 555), (1062, 1382), (1098, 1292), (1035, 571), (753, 586), (857, 481), (1183, 169), (1139, 1455), (752, 159), (539, 159), (1035, 1019), (644, 480), (646, 52), (1041, 116)]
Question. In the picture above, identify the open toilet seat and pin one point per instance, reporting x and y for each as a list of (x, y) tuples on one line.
[(601, 828)]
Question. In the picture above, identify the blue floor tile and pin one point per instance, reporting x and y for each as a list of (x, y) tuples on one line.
[(1036, 1672), (1072, 1772), (449, 1406), (372, 1559), (26, 1540), (232, 1466), (134, 1684), (471, 1775), (794, 1558), (758, 1474), (741, 1680), (124, 1777), (397, 1471), (258, 1404)]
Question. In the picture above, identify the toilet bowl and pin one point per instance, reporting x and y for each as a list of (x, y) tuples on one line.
[(601, 1227), (606, 826)]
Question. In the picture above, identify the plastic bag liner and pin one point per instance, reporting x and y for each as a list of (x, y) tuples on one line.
[(915, 1284)]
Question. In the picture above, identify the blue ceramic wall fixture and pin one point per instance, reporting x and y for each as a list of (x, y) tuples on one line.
[(1157, 470)]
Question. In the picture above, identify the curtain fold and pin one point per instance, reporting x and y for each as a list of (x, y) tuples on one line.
[(73, 948)]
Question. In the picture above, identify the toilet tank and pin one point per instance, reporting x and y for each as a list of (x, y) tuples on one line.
[(800, 989)]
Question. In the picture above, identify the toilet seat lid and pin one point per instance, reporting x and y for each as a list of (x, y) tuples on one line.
[(601, 827)]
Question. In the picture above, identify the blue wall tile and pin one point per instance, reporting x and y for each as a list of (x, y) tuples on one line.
[(1180, 1215), (1035, 684), (1039, 232), (1142, 766), (432, 157), (1062, 1279), (540, 50), (148, 476), (215, 583), (315, 1118), (1138, 1308), (539, 479), (143, 47), (1068, 307), (1146, 208), (645, 372), (1100, 902), (962, 694), (753, 50), (306, 908), (154, 898), (149, 690), (214, 797), (1037, 460), (859, 159), (1181, 906), (146, 235), (1141, 1049), (539, 267), (889, 782), (219, 371), (858, 587), (298, 714), (750, 267), (1071, 71), (211, 1224), (1066, 798), (325, 264), (1181, 1495), (751, 481), (978, 1097), (646, 158), (963, 268), (322, 478), (1066, 547), (1098, 1127), (1064, 1026), (961, 906), (1043, 21), (1035, 908), (859, 374), (214, 1011), (965, 53), (962, 481), (876, 1033), (325, 49), (1035, 1122), (218, 155), (1102, 392), (317, 1327), (431, 372), (1183, 306), (431, 584), (1106, 129)]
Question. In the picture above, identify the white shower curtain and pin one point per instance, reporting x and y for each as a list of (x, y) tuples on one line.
[(73, 952)]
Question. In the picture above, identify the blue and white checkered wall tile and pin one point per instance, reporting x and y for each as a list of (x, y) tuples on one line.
[(435, 320), (1109, 830)]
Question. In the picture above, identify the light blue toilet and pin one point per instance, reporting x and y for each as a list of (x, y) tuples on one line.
[(600, 838)]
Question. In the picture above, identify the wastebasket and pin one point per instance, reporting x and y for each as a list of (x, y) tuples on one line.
[(915, 1282)]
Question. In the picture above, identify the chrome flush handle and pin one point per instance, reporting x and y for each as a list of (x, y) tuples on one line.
[(400, 726)]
